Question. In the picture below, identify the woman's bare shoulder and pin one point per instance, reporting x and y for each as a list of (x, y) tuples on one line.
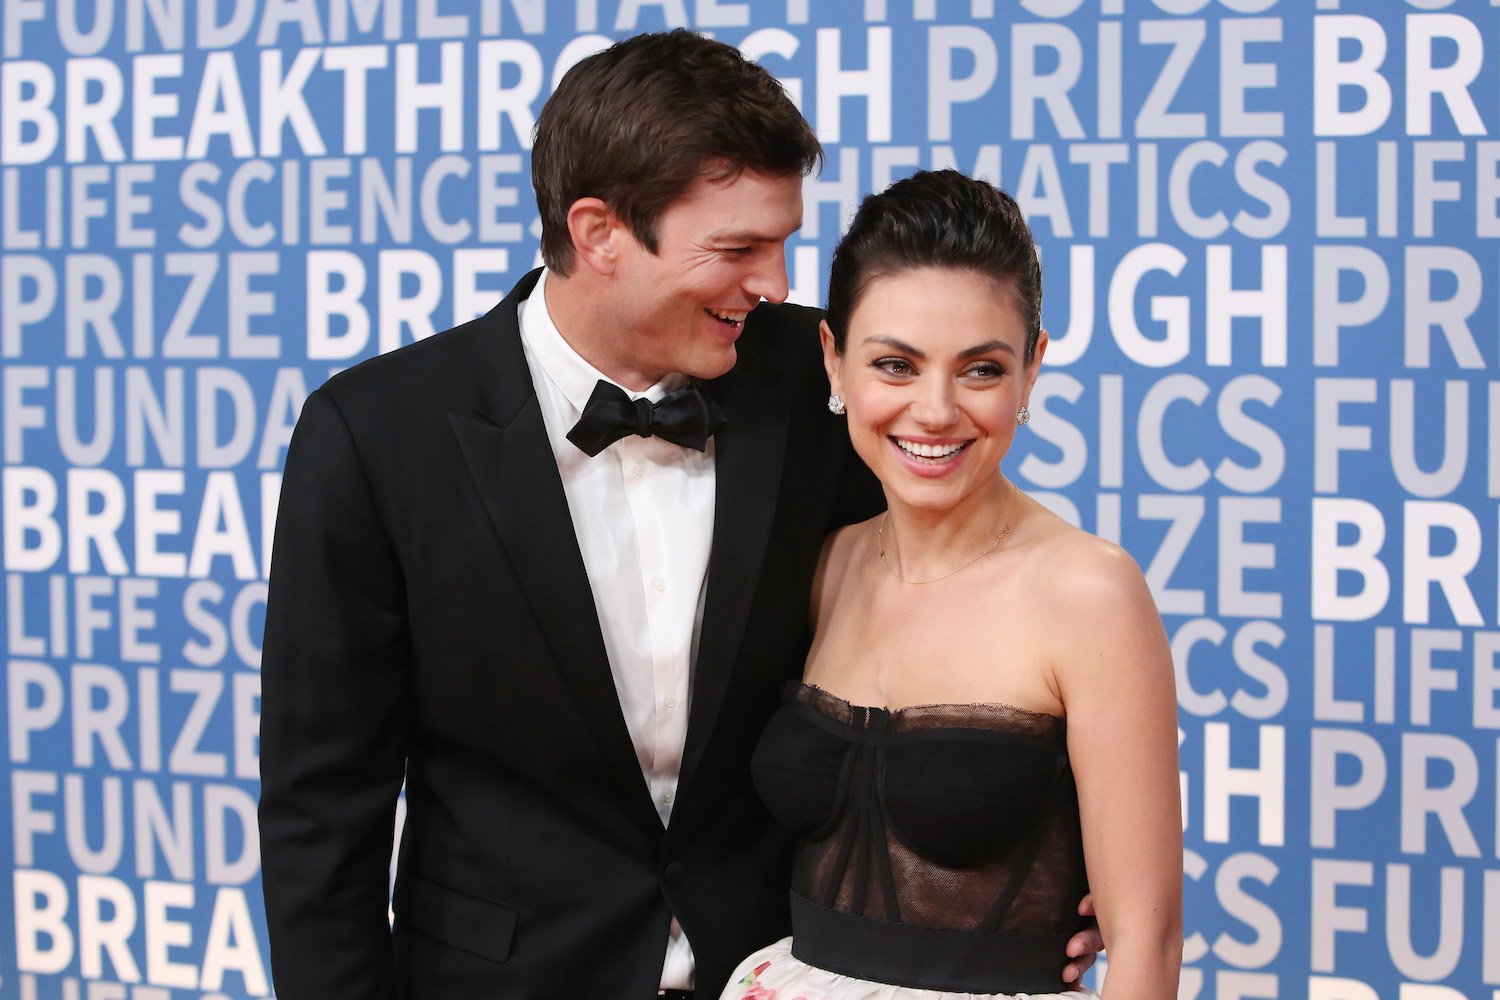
[(1077, 565), (839, 552), (1090, 593)]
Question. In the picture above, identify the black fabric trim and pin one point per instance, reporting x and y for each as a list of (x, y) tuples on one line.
[(926, 957)]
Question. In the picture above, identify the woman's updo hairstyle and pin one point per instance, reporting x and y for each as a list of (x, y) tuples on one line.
[(941, 219)]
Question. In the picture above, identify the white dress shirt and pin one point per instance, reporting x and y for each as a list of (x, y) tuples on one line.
[(643, 512)]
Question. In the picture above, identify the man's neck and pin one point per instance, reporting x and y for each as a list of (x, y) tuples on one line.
[(594, 334)]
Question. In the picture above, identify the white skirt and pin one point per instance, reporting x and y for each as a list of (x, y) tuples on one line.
[(774, 974)]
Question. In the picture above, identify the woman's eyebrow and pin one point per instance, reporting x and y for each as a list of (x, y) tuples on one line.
[(985, 348)]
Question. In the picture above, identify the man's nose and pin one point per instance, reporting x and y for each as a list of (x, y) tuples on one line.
[(769, 280)]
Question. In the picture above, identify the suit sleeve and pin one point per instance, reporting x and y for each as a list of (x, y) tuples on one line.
[(335, 672)]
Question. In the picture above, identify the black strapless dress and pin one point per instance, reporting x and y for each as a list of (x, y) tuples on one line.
[(940, 852)]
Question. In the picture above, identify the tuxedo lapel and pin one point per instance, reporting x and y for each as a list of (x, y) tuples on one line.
[(505, 446), (748, 456)]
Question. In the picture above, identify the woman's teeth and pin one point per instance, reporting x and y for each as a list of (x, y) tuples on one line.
[(933, 452)]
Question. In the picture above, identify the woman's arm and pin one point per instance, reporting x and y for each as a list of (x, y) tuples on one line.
[(1114, 673)]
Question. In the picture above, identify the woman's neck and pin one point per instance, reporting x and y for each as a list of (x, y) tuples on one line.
[(922, 544)]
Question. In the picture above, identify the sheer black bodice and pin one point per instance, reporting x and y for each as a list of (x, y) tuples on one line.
[(939, 844)]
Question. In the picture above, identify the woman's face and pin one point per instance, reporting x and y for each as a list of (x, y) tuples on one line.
[(932, 375)]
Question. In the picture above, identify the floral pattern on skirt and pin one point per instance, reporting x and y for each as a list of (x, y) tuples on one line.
[(773, 973)]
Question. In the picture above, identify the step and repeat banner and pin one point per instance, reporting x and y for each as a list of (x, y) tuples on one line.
[(1269, 233)]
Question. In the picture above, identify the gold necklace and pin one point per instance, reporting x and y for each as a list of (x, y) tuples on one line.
[(880, 545)]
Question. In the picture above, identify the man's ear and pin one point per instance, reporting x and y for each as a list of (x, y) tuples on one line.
[(594, 229)]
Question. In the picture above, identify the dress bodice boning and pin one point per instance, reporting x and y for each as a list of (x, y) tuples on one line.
[(940, 845)]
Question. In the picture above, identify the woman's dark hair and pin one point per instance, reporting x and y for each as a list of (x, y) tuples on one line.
[(636, 124), (941, 219)]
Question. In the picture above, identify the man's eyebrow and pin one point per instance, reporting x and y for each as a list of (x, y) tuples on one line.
[(754, 236)]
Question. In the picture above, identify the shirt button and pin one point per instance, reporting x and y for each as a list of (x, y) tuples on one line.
[(671, 701), (660, 584), (639, 469), (668, 796)]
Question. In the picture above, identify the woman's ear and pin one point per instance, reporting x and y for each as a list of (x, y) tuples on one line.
[(1033, 369), (593, 228), (833, 362)]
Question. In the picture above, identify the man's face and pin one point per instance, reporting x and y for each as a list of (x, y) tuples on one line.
[(721, 249)]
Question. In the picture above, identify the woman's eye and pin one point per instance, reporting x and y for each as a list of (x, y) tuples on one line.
[(894, 366), (987, 370)]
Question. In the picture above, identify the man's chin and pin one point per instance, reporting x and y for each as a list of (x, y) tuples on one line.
[(718, 364)]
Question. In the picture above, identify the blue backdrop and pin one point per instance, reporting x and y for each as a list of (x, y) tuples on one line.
[(1269, 234)]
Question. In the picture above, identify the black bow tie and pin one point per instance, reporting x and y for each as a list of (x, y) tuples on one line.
[(685, 416)]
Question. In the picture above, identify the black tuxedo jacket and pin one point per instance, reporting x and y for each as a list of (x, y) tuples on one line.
[(430, 621)]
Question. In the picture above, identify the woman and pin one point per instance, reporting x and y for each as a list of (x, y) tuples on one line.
[(988, 702)]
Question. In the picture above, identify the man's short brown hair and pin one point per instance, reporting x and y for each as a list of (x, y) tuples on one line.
[(636, 124)]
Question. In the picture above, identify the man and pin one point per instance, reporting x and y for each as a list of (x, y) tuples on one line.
[(565, 644)]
